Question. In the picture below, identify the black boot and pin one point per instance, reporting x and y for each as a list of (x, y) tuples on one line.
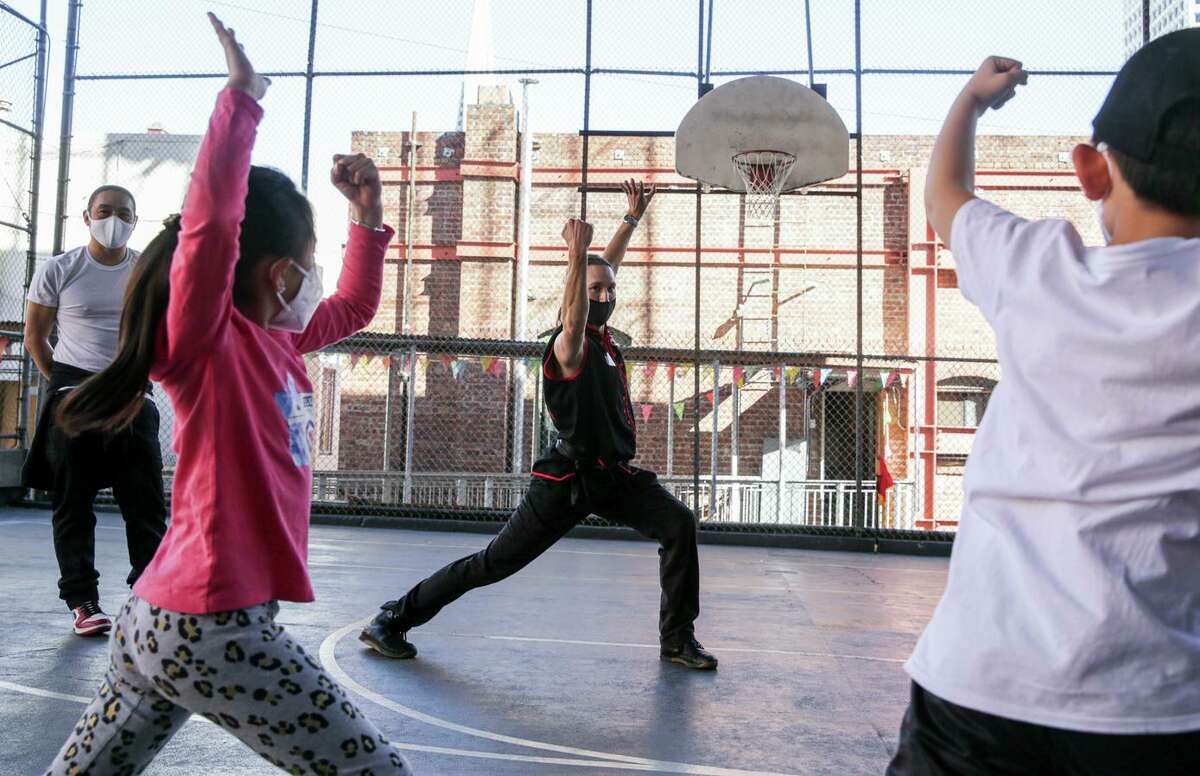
[(689, 653), (383, 636)]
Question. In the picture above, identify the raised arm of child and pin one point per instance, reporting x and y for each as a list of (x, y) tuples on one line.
[(202, 271), (951, 180)]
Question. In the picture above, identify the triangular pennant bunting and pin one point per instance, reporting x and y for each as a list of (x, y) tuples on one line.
[(647, 411), (739, 376), (486, 363), (680, 406), (791, 373), (852, 377), (650, 370)]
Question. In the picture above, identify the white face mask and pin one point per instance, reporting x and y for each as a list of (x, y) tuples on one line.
[(111, 232), (296, 314)]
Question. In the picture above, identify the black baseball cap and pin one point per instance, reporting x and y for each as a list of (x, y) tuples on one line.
[(1162, 75)]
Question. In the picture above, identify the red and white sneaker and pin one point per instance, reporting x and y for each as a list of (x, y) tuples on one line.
[(90, 620)]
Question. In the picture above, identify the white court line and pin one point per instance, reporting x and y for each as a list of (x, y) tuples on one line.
[(856, 567), (40, 693), (58, 696), (329, 661), (794, 653)]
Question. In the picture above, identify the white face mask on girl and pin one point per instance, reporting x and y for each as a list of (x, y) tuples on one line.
[(296, 314), (111, 232)]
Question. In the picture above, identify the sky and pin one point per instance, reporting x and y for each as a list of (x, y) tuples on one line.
[(131, 37)]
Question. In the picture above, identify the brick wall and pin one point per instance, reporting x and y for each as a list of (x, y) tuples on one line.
[(464, 269)]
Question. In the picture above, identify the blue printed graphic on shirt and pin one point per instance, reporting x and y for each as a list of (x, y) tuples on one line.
[(297, 409)]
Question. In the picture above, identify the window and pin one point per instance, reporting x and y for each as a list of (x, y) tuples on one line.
[(961, 408), (328, 409), (951, 464), (961, 401)]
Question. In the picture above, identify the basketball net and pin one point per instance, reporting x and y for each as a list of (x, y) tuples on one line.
[(764, 174)]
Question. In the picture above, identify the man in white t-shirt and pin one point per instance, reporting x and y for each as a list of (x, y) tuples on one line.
[(81, 293), (1068, 637)]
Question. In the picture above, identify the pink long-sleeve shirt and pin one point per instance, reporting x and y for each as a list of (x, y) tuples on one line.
[(244, 421)]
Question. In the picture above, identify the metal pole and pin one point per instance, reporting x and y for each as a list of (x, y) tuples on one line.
[(408, 423), (71, 55), (406, 310), (782, 441), (696, 308), (537, 420), (522, 299), (29, 375), (671, 422), (409, 230), (735, 500), (387, 419), (308, 89), (708, 57), (858, 182), (587, 112), (714, 461), (808, 35), (1145, 22)]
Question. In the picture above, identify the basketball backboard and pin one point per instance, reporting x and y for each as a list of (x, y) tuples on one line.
[(762, 113)]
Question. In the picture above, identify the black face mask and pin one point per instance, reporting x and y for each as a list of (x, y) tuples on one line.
[(599, 312)]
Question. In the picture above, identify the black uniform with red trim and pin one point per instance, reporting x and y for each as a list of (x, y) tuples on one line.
[(592, 410), (585, 471)]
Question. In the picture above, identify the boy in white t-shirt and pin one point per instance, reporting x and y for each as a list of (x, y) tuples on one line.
[(1068, 638)]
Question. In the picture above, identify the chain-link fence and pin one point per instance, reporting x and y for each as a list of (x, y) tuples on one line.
[(823, 374), (23, 43)]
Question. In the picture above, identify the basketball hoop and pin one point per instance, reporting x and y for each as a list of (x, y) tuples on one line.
[(764, 174)]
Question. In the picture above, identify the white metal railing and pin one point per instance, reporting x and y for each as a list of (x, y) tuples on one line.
[(738, 499)]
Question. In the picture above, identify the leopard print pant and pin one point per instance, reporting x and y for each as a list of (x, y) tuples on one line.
[(241, 671)]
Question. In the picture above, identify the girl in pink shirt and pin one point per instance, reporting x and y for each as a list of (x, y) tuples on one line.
[(220, 310)]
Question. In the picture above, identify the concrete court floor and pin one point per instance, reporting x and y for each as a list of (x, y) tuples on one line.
[(553, 671)]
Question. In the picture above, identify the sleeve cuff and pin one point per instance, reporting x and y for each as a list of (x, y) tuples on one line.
[(384, 228), (242, 100)]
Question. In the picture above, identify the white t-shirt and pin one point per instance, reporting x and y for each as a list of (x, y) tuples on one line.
[(1074, 592), (88, 296)]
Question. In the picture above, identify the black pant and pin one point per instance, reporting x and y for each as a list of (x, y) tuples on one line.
[(940, 738), (620, 494), (131, 463)]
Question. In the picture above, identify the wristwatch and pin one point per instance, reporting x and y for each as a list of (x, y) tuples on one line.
[(380, 228), (631, 220)]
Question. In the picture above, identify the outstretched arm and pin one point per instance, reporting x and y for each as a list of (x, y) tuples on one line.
[(361, 281), (568, 348), (202, 270), (638, 197), (951, 180)]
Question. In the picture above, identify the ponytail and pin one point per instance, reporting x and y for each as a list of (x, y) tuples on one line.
[(112, 399)]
